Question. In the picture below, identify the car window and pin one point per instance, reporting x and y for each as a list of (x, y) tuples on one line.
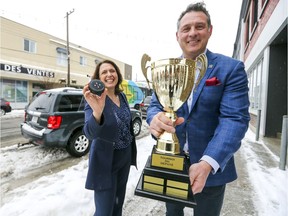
[(147, 100), (42, 103), (69, 103), (82, 104)]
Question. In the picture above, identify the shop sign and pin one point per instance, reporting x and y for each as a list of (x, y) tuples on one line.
[(25, 70)]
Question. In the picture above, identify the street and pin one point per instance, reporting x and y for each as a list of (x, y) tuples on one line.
[(10, 131)]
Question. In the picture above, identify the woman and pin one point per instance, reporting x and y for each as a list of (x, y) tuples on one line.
[(108, 124)]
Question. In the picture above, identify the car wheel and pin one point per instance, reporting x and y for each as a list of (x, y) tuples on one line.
[(137, 106), (136, 127), (3, 112), (78, 145)]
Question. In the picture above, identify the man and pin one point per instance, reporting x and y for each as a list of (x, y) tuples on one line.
[(212, 122)]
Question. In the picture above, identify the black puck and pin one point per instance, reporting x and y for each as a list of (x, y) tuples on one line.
[(96, 87)]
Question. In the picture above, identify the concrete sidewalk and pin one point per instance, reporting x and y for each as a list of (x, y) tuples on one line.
[(274, 144), (239, 194)]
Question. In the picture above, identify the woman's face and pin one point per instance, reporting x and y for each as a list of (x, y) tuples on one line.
[(108, 75)]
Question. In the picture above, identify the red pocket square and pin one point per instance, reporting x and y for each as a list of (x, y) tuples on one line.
[(212, 81)]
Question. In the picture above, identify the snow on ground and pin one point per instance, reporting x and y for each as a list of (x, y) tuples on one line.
[(269, 182), (63, 193), (13, 114)]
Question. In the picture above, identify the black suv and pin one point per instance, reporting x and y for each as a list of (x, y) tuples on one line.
[(55, 118)]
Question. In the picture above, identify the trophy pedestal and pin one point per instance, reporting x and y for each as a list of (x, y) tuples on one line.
[(163, 180)]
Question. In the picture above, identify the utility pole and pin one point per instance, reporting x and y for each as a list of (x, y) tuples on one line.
[(68, 51)]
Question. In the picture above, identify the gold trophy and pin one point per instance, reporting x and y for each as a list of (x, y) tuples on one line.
[(165, 176)]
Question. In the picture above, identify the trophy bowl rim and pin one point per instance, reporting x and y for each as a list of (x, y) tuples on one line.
[(180, 61), (173, 61)]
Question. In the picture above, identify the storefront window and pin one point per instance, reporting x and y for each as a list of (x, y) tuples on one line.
[(14, 91), (21, 91), (8, 90), (37, 87)]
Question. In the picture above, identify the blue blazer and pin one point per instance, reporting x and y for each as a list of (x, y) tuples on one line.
[(103, 136), (219, 116)]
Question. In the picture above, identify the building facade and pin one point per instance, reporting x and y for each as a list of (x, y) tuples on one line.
[(261, 43), (32, 60)]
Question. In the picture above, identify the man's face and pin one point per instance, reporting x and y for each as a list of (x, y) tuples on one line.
[(193, 34)]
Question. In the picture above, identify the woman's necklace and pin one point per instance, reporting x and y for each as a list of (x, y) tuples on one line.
[(115, 100)]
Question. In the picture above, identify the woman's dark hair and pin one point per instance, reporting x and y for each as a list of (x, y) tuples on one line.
[(96, 74), (199, 7)]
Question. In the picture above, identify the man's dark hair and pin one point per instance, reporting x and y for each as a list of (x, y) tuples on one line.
[(199, 7), (96, 74)]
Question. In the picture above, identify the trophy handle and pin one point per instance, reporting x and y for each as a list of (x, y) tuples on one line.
[(201, 64), (145, 58)]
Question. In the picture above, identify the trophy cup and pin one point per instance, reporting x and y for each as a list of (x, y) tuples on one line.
[(165, 176)]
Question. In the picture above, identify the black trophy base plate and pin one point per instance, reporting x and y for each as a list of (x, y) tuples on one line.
[(158, 172)]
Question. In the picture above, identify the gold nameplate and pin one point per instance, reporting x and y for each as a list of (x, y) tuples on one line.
[(177, 184), (154, 184), (173, 162), (154, 180), (177, 189), (159, 185), (153, 187), (177, 193)]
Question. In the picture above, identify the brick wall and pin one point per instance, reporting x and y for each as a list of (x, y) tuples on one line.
[(266, 14)]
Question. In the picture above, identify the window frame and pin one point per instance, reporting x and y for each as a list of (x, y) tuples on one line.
[(83, 61), (62, 57), (29, 45), (255, 85)]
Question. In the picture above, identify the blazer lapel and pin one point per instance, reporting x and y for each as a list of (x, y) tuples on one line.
[(210, 67)]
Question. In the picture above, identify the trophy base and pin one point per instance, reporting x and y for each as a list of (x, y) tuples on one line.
[(166, 185)]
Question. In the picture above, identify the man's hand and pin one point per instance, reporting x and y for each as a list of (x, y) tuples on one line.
[(198, 174), (161, 123)]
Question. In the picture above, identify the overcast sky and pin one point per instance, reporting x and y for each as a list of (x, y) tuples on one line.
[(125, 29)]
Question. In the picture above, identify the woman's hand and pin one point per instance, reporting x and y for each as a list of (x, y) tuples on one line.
[(97, 103)]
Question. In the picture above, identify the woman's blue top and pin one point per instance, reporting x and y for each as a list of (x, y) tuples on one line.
[(123, 117)]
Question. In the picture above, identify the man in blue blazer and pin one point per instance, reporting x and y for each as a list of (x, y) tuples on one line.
[(212, 122)]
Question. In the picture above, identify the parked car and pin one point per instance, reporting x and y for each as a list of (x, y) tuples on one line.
[(5, 106), (55, 118), (145, 105), (136, 121)]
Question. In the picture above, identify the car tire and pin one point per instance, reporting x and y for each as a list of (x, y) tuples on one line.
[(137, 106), (78, 145), (136, 124)]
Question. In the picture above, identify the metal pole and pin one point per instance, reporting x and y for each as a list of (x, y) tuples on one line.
[(68, 51), (258, 124), (283, 152)]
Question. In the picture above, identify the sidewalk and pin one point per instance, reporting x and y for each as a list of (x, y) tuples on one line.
[(241, 195), (274, 144)]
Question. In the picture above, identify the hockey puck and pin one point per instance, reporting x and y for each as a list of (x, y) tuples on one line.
[(96, 87)]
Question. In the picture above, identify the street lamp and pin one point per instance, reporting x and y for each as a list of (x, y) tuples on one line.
[(68, 52)]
